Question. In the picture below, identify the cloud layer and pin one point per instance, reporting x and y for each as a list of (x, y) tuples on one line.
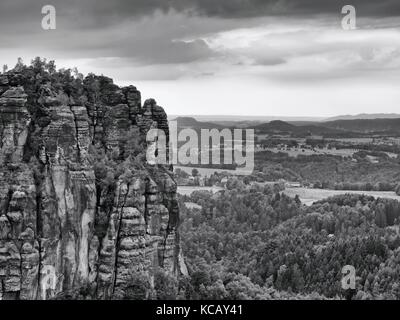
[(278, 45)]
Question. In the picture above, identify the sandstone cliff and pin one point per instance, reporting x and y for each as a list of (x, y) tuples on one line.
[(79, 205)]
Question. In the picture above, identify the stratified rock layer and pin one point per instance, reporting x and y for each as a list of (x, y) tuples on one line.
[(60, 228)]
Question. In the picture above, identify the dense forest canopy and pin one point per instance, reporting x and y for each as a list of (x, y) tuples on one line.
[(267, 245)]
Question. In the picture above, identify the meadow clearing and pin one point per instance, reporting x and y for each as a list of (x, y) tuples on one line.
[(308, 195)]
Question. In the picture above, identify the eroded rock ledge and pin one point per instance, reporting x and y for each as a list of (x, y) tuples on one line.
[(79, 206)]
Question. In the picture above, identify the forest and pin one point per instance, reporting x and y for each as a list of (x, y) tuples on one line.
[(330, 172), (253, 242)]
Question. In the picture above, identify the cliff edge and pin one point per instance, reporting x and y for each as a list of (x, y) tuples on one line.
[(80, 208)]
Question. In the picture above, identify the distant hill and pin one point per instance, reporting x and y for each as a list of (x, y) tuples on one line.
[(346, 127), (282, 127), (234, 119), (229, 119), (391, 126), (365, 116), (192, 123), (277, 125)]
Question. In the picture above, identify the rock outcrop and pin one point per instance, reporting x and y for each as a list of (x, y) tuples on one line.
[(80, 209)]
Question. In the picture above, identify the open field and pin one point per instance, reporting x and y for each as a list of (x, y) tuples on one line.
[(206, 172), (187, 190), (309, 196), (354, 140), (294, 152)]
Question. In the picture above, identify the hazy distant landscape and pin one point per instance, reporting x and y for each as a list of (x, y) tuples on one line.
[(260, 118), (369, 140), (324, 193)]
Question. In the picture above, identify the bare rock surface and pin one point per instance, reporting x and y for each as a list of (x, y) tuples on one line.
[(80, 209)]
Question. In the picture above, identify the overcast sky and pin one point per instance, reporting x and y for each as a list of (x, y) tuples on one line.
[(235, 57)]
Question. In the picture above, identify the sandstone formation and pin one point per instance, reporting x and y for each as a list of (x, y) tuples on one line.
[(79, 206)]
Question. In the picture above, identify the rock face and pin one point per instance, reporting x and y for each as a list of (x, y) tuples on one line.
[(79, 206)]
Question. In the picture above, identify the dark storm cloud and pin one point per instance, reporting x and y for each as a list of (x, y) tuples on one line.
[(95, 29), (244, 8), (106, 11), (247, 8), (172, 32), (162, 51), (255, 8)]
